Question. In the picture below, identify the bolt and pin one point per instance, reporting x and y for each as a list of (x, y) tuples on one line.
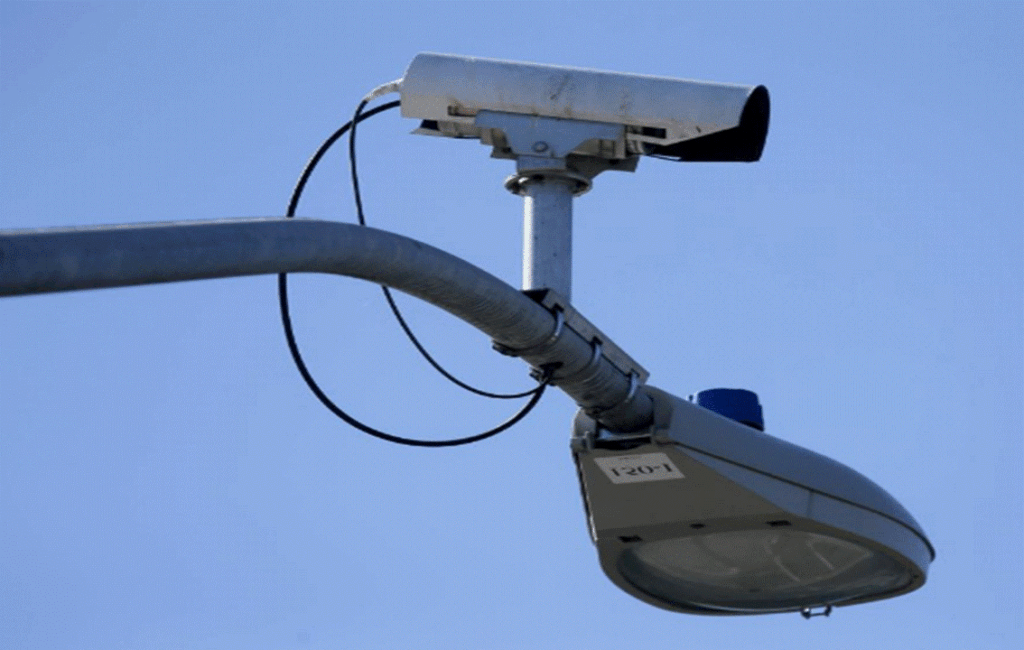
[(540, 147)]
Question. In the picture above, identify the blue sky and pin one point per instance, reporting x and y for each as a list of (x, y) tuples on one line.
[(167, 481)]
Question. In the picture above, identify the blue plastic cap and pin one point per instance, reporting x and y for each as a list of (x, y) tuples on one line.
[(734, 403)]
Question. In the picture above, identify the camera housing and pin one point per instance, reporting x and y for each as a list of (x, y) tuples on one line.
[(691, 121)]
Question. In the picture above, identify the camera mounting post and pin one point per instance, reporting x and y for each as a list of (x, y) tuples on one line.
[(563, 126), (553, 166)]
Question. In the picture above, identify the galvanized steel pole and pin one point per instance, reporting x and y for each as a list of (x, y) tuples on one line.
[(50, 260), (547, 233)]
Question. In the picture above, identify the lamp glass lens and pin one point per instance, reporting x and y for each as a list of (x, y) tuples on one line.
[(760, 570)]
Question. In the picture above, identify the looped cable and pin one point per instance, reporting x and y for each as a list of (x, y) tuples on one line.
[(361, 217), (544, 377)]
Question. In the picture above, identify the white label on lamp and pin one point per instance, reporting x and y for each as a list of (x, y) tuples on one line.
[(638, 468)]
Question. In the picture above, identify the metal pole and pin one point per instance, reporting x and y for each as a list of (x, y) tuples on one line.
[(547, 233), (68, 259)]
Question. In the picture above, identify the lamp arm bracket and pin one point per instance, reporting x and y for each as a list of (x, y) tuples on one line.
[(567, 316)]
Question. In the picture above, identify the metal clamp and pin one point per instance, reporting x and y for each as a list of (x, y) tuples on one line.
[(596, 353), (575, 321), (634, 387), (556, 334), (517, 182)]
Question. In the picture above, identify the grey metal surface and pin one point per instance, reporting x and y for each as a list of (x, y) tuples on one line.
[(578, 322), (547, 234), (754, 459), (540, 143), (451, 90), (728, 477), (69, 259), (708, 433), (551, 168)]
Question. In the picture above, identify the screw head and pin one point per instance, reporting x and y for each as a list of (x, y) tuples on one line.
[(540, 147)]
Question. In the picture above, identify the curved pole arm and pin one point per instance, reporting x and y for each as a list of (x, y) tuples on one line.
[(70, 259)]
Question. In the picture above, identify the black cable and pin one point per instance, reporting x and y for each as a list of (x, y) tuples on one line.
[(352, 163), (356, 118), (300, 186), (282, 286), (437, 366), (351, 421)]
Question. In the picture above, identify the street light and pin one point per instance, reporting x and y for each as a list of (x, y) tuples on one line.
[(699, 511), (692, 507), (704, 515)]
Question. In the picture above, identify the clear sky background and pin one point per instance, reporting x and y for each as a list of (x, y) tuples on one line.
[(167, 480)]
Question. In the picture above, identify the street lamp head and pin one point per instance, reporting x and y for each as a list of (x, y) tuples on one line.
[(701, 514)]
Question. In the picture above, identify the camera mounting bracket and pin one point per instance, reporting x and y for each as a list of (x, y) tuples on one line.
[(556, 160)]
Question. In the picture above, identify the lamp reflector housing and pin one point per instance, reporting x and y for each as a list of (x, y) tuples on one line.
[(760, 570), (704, 515)]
